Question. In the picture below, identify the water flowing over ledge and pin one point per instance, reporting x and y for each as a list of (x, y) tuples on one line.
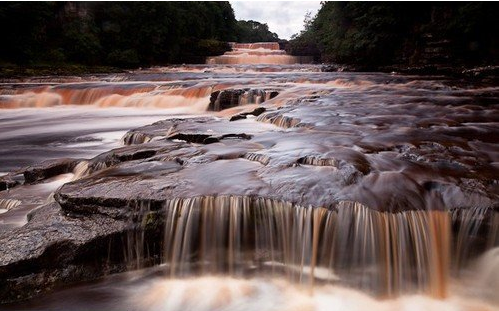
[(376, 186), (257, 53)]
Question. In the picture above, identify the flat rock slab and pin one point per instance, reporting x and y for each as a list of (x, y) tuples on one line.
[(53, 248), (195, 130), (340, 156), (399, 145), (394, 146)]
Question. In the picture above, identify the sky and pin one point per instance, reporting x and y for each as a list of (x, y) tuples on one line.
[(283, 17)]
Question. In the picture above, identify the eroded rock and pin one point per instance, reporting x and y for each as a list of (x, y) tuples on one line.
[(47, 169), (229, 98), (7, 182), (424, 146), (54, 249), (256, 112)]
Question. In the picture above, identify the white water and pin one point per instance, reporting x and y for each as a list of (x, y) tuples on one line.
[(31, 135), (231, 294)]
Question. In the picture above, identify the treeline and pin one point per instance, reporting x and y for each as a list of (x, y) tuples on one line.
[(411, 33), (253, 31), (123, 34)]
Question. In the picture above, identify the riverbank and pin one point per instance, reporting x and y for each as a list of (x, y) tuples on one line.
[(11, 71), (486, 71), (15, 72)]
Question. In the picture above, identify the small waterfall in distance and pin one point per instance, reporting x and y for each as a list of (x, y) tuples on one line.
[(256, 53)]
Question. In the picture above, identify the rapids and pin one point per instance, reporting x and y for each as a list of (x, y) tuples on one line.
[(270, 185), (257, 53)]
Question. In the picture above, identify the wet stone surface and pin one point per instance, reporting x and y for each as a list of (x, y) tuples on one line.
[(53, 249), (399, 153), (390, 143)]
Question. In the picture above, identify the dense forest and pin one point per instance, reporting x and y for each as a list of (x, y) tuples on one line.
[(122, 34), (373, 34), (253, 31)]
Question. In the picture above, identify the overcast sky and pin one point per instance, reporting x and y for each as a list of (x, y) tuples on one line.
[(283, 17)]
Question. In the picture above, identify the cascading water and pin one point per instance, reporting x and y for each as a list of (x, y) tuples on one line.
[(231, 250), (257, 53), (386, 254), (7, 204), (291, 189), (111, 95)]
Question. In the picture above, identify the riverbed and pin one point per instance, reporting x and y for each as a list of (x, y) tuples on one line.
[(279, 187)]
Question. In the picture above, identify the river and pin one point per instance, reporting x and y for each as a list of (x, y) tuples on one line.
[(281, 187)]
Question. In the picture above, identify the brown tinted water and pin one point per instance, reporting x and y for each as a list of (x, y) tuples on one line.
[(353, 191)]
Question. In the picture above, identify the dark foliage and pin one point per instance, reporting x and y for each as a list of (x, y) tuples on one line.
[(412, 33), (252, 31), (124, 34)]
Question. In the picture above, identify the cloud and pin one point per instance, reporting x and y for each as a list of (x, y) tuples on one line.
[(283, 17)]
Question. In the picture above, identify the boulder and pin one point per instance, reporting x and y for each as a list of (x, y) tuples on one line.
[(229, 98), (54, 249)]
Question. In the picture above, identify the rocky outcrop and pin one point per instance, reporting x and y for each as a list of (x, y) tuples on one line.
[(224, 99), (231, 167), (55, 249), (220, 100), (38, 173), (47, 169), (378, 163), (255, 112), (201, 130), (8, 182)]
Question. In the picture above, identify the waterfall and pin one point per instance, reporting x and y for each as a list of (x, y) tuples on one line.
[(112, 95), (382, 253), (8, 204), (256, 53)]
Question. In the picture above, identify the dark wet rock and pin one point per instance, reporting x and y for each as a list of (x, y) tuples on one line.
[(220, 100), (224, 99), (7, 182), (203, 130), (325, 149), (47, 169), (131, 153), (167, 129), (339, 68), (200, 126), (151, 151), (54, 249), (256, 112), (482, 72), (158, 129), (195, 138), (424, 146), (207, 139), (393, 191)]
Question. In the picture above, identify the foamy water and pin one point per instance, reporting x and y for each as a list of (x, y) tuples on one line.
[(257, 53), (393, 129), (150, 290), (230, 294)]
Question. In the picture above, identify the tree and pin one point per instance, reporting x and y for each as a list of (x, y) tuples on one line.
[(124, 34), (380, 33), (253, 31)]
